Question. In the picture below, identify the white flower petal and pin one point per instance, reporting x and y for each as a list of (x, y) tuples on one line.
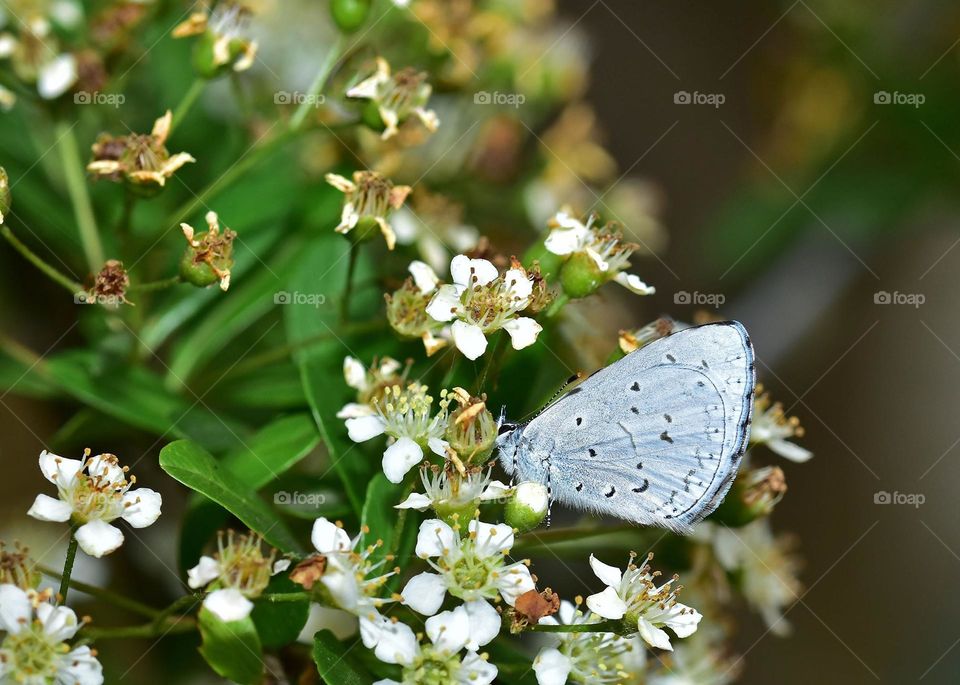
[(434, 537), (552, 667), (46, 508), (633, 283), (97, 538), (364, 428), (475, 670), (354, 373), (469, 339), (653, 636), (59, 623), (424, 593), (15, 608), (279, 566), (468, 272), (81, 666), (228, 604), (206, 570), (58, 470), (438, 446), (355, 410), (416, 500), (484, 623), (610, 575), (395, 642), (519, 285), (607, 604), (683, 620), (400, 457), (789, 450), (56, 76), (328, 537), (141, 507), (105, 467), (514, 581), (424, 277), (563, 241), (449, 630), (494, 491), (492, 539), (445, 303), (523, 331)]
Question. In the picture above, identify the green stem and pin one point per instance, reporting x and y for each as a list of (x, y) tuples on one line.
[(155, 285), (609, 626), (348, 288), (77, 189), (124, 223), (186, 102), (106, 595), (280, 597), (68, 565), (448, 376), (557, 305), (323, 73), (182, 624), (34, 259), (254, 157), (493, 361)]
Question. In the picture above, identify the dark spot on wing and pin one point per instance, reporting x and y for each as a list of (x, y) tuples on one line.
[(635, 387), (579, 420), (613, 491), (665, 437), (640, 465), (579, 487), (643, 488), (635, 410), (668, 418), (671, 358), (592, 452)]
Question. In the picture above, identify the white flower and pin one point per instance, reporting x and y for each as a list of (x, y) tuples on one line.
[(57, 76), (771, 427), (369, 196), (238, 571), (481, 301), (349, 579), (368, 383), (592, 658), (605, 246), (404, 414), (92, 493), (34, 649), (439, 662), (766, 570), (397, 97), (439, 491), (474, 569), (634, 597)]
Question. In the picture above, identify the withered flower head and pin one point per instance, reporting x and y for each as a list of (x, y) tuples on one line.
[(224, 43), (531, 606), (141, 160), (16, 568), (209, 255), (309, 571)]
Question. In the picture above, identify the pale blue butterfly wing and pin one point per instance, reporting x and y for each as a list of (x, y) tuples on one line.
[(655, 438)]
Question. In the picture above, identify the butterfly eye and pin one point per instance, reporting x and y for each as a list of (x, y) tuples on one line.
[(506, 428)]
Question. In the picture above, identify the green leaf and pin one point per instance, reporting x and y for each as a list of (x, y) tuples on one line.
[(279, 623), (386, 523), (275, 387), (193, 466), (268, 454), (232, 648), (334, 662), (323, 271)]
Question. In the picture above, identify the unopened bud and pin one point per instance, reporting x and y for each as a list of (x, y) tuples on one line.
[(349, 15), (471, 429), (527, 508), (581, 276)]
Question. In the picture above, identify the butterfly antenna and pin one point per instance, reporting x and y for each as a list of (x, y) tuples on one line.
[(573, 379)]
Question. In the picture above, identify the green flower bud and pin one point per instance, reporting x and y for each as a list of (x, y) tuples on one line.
[(753, 495), (527, 508), (5, 198), (454, 512), (349, 15), (580, 275)]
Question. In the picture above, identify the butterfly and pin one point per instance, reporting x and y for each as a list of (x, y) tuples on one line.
[(655, 438)]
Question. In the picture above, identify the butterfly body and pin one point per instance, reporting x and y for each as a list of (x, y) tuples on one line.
[(655, 438)]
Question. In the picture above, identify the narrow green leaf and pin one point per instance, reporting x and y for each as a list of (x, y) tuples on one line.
[(334, 663), (232, 648), (193, 466)]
